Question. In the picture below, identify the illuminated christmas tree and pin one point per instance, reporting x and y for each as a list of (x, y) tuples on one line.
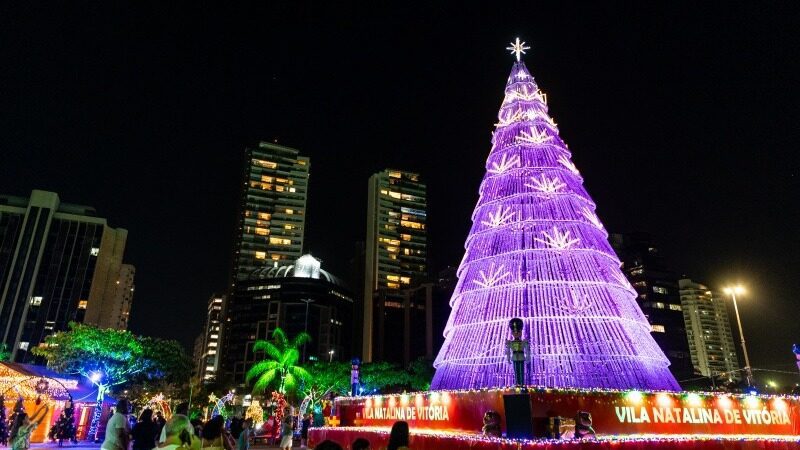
[(538, 251)]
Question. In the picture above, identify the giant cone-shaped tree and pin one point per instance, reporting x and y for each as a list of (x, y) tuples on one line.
[(538, 251)]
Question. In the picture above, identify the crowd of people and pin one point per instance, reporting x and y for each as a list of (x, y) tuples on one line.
[(153, 432)]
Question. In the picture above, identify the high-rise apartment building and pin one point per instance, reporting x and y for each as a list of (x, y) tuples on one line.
[(396, 249), (211, 346), (657, 295), (708, 329), (301, 297), (58, 263), (272, 211)]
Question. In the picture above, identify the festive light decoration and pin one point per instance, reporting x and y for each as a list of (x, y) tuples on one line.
[(537, 251), (255, 412)]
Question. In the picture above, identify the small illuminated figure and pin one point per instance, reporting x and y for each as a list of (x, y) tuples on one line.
[(518, 351), (796, 350), (355, 366)]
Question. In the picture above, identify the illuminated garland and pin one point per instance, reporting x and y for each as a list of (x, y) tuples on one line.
[(645, 438), (589, 391)]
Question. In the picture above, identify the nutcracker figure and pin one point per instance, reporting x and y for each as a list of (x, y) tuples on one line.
[(355, 366), (518, 351)]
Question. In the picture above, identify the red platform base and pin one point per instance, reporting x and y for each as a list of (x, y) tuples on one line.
[(430, 440)]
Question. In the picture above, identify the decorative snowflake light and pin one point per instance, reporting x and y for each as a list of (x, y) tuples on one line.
[(546, 185), (568, 165), (557, 239), (499, 217), (533, 136), (592, 217), (505, 164), (492, 276)]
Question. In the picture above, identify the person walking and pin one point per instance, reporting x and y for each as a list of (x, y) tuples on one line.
[(24, 426), (243, 443), (398, 437), (145, 431), (286, 430), (118, 429), (305, 424)]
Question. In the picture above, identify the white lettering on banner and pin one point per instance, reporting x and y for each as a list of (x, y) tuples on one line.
[(630, 414), (433, 412)]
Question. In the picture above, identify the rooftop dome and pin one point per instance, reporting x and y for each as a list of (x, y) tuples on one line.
[(306, 266)]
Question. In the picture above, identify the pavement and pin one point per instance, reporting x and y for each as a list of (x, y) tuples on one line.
[(92, 446)]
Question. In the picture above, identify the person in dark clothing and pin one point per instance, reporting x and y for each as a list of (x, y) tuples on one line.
[(360, 444), (328, 445), (145, 431), (398, 437), (305, 424)]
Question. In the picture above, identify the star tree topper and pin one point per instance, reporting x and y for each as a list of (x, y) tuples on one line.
[(517, 48)]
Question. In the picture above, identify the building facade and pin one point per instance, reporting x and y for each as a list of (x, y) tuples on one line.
[(658, 296), (396, 248), (708, 329), (272, 210), (58, 263), (296, 298), (211, 340)]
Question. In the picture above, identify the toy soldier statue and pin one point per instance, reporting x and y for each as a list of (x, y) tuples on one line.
[(796, 350), (518, 351), (355, 366)]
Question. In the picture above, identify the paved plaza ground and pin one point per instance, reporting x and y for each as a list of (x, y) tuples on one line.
[(90, 446)]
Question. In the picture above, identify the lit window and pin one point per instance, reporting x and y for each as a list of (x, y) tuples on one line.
[(265, 216), (279, 188), (637, 271), (262, 231), (36, 301), (94, 251), (288, 227), (395, 174), (658, 305), (289, 211), (658, 329), (276, 257), (393, 285), (394, 194), (393, 277), (301, 162), (405, 237), (214, 344), (266, 179), (24, 345), (82, 304), (261, 255), (409, 224), (660, 290), (675, 307), (291, 189), (405, 280), (640, 284), (263, 163)]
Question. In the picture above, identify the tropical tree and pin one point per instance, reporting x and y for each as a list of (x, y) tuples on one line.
[(326, 377), (280, 365), (5, 354)]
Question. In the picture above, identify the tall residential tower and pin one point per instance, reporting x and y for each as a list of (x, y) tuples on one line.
[(272, 212), (708, 329), (396, 250), (58, 263)]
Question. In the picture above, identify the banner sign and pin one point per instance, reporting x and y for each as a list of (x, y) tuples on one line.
[(613, 412)]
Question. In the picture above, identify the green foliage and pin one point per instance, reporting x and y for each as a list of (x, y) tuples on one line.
[(420, 374), (84, 349), (169, 361), (280, 366), (5, 354), (119, 355)]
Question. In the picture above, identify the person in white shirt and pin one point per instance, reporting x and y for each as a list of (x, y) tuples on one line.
[(182, 409), (118, 429)]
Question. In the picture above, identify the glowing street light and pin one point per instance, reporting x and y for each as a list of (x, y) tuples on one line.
[(330, 354), (96, 377), (732, 291)]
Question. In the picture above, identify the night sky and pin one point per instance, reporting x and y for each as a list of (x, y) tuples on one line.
[(683, 121)]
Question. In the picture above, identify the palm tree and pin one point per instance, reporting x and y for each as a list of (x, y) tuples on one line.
[(282, 355)]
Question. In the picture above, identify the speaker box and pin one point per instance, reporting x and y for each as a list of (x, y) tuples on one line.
[(519, 422)]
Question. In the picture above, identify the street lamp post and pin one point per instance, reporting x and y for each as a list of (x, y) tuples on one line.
[(732, 291), (330, 354)]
